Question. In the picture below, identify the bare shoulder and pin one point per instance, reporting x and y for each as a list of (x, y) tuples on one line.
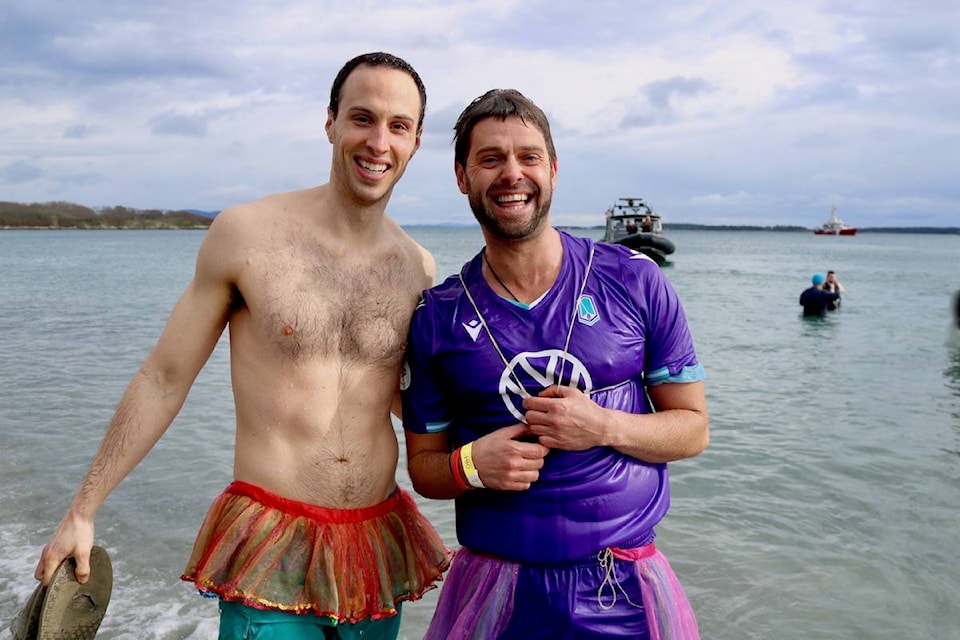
[(226, 234), (429, 265), (421, 259), (241, 223), (239, 217)]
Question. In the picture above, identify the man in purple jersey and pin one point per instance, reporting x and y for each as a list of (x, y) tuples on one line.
[(545, 388)]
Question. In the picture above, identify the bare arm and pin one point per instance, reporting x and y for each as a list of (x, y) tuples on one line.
[(503, 462), (429, 267), (148, 406), (565, 418)]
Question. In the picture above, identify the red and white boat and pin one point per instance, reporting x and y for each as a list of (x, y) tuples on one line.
[(835, 226)]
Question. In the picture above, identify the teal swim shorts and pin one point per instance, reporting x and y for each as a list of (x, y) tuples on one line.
[(240, 622)]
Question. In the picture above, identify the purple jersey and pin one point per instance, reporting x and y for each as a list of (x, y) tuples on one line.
[(626, 325)]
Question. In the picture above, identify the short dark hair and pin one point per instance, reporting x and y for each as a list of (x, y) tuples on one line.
[(499, 103), (376, 59)]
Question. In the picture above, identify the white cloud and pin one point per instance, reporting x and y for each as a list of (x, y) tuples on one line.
[(714, 112)]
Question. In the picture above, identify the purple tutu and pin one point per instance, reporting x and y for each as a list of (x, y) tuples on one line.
[(480, 595)]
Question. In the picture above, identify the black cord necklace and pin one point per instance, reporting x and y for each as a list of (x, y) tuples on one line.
[(496, 277)]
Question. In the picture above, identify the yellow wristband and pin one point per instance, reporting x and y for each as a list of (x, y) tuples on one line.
[(470, 469)]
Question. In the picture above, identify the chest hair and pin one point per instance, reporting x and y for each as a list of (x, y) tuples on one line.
[(317, 305)]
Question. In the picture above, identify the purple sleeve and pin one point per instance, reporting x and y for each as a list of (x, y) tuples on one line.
[(669, 354), (424, 404)]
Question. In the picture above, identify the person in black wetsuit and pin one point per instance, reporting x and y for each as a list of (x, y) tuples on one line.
[(815, 300)]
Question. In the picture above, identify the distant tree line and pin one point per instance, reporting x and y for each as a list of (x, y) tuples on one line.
[(688, 226), (67, 215)]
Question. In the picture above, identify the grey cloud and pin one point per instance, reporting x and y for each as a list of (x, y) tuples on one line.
[(177, 124), (661, 92), (438, 127), (78, 131), (864, 104), (60, 43), (654, 102), (20, 172)]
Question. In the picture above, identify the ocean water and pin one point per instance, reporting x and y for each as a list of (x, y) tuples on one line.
[(825, 507)]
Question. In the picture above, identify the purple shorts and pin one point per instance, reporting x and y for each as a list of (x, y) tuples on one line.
[(622, 593)]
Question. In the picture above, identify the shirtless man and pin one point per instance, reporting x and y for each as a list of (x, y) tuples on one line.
[(317, 287)]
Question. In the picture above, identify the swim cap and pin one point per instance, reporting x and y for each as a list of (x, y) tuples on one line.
[(817, 279)]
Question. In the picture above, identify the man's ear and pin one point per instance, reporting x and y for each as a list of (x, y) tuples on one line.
[(461, 177), (417, 143), (328, 127)]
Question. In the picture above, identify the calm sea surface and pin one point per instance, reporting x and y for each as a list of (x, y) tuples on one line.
[(825, 507)]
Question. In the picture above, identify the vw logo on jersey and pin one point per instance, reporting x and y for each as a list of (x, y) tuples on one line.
[(538, 370), (587, 312)]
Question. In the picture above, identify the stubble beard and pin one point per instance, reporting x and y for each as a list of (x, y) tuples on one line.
[(515, 230)]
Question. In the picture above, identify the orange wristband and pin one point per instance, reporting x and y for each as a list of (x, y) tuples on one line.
[(456, 468)]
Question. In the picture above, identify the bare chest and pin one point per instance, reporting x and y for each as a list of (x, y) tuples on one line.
[(307, 304)]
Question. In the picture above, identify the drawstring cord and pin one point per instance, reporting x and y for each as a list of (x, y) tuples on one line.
[(606, 561)]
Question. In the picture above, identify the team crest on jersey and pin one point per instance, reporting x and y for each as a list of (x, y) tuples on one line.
[(587, 312), (473, 328), (537, 370), (405, 376)]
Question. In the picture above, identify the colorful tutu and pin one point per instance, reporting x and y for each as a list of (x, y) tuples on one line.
[(481, 594), (477, 599), (269, 552), (669, 613)]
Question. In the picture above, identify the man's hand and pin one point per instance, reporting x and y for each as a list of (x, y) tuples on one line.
[(565, 418), (507, 463), (73, 537)]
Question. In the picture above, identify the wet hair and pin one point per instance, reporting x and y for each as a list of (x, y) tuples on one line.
[(498, 103), (376, 59)]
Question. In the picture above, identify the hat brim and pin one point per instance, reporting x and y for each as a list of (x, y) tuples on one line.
[(66, 608)]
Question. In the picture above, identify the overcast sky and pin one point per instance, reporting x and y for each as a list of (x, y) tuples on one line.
[(740, 111)]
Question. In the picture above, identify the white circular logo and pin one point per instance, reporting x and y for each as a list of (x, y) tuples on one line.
[(536, 371)]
